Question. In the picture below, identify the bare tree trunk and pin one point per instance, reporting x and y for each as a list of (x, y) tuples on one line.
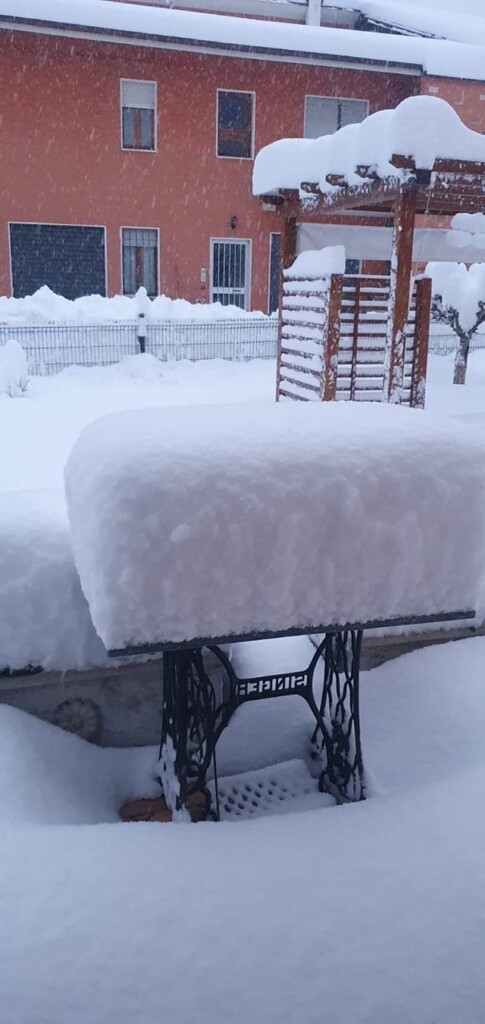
[(461, 359)]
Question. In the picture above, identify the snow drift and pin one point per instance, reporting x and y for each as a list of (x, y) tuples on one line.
[(225, 520)]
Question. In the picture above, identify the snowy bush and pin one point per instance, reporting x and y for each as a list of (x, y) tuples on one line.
[(14, 376), (459, 301)]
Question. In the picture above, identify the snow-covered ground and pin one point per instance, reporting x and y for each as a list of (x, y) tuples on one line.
[(41, 427), (359, 914), (362, 914)]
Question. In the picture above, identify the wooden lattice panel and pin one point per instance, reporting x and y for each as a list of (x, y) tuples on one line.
[(308, 338), (333, 340)]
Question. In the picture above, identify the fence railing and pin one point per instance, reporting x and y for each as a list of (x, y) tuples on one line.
[(53, 347), (445, 344)]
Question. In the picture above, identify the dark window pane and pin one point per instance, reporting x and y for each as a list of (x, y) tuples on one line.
[(69, 259), (234, 124), (138, 128), (147, 129), (274, 272), (128, 127), (352, 267)]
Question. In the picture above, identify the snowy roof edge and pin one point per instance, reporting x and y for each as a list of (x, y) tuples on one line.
[(140, 25), (211, 41)]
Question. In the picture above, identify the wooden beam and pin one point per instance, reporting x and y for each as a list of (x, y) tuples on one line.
[(337, 180), (402, 162), (364, 171), (442, 165), (421, 340), (401, 260)]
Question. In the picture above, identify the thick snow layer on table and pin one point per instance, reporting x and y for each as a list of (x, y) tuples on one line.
[(44, 617), (39, 432), (434, 56), (460, 287), (422, 127), (251, 921), (44, 306), (233, 519), (318, 262)]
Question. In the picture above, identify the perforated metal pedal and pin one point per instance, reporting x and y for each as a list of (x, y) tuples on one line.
[(279, 789)]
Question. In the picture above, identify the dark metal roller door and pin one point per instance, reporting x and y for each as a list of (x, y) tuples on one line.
[(69, 259)]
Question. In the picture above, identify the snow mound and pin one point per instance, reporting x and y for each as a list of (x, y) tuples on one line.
[(44, 616), (14, 375), (422, 127), (44, 306), (316, 262), (50, 777), (228, 520)]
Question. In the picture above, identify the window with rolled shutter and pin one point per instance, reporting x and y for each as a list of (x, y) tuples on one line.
[(138, 106), (324, 115)]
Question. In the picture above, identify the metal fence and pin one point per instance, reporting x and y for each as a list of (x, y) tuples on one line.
[(52, 347), (445, 344)]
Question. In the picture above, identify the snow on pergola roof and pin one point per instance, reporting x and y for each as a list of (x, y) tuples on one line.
[(373, 159), (423, 128), (158, 27)]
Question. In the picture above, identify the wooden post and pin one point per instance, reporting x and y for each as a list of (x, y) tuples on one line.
[(399, 292), (355, 338), (288, 242), (331, 340), (287, 256), (421, 339)]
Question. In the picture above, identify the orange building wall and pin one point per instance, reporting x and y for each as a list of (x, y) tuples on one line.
[(61, 159)]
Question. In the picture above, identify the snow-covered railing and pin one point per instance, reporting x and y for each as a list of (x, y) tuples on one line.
[(53, 347)]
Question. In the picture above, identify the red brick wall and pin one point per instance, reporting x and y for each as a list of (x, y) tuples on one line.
[(61, 160)]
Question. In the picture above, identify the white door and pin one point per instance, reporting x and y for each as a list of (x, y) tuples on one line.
[(230, 273)]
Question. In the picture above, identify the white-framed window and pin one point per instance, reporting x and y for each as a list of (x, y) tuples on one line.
[(139, 254), (235, 124), (324, 115), (138, 114), (230, 272)]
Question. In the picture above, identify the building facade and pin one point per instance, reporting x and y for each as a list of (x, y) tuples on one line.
[(128, 162)]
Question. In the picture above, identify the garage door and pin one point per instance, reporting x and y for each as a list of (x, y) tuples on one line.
[(69, 259)]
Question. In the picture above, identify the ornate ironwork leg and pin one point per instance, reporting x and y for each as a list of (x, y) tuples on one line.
[(193, 720), (188, 738), (336, 737), (173, 744)]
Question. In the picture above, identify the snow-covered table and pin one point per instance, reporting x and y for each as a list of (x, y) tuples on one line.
[(202, 527)]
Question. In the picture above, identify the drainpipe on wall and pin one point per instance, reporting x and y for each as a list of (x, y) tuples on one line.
[(313, 12)]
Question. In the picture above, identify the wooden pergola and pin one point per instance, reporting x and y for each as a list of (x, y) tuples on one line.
[(450, 187)]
